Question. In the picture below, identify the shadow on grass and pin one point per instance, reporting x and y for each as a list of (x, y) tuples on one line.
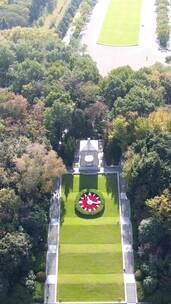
[(62, 210), (88, 182), (67, 184), (111, 187)]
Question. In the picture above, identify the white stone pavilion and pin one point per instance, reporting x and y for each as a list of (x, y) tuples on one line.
[(89, 155)]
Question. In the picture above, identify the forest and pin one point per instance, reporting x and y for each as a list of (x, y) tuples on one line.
[(52, 95), (21, 12)]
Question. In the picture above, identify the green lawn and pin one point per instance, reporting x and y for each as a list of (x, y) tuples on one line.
[(90, 254), (122, 23)]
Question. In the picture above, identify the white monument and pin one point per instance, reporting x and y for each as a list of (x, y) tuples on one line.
[(89, 155)]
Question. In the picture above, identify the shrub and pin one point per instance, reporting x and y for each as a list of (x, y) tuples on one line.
[(150, 284), (150, 231), (168, 59), (163, 28), (40, 277), (67, 17), (85, 213), (140, 291), (138, 275)]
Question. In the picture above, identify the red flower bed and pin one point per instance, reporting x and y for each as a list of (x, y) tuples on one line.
[(89, 201)]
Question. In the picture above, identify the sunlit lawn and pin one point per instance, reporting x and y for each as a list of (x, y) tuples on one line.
[(122, 23), (90, 255)]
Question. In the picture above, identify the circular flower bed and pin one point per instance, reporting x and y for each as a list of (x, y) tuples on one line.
[(89, 203)]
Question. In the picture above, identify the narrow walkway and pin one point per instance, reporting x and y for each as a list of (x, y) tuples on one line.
[(50, 293), (127, 243)]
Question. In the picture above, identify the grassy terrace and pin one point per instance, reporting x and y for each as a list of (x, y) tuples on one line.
[(122, 23), (90, 254)]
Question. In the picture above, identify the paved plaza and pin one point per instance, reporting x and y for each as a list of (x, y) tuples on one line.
[(145, 54)]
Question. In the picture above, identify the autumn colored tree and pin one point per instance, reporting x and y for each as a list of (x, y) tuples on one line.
[(38, 168), (160, 207)]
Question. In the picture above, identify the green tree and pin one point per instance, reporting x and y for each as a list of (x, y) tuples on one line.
[(140, 100), (116, 84), (150, 284), (150, 230), (25, 72), (9, 203), (160, 207), (7, 57), (58, 118), (14, 252), (68, 150)]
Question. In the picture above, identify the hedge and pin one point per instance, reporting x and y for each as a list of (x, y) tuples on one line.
[(86, 214), (84, 13), (67, 17), (163, 27)]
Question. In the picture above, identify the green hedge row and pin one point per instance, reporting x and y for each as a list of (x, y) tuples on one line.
[(163, 27), (86, 214), (67, 18), (84, 13)]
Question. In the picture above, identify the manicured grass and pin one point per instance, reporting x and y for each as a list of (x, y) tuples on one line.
[(91, 263), (89, 234), (91, 248), (94, 278), (122, 23), (91, 292), (90, 254)]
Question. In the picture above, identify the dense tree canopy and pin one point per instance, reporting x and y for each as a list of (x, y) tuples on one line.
[(22, 13), (50, 97)]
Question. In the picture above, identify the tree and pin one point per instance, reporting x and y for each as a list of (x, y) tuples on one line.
[(15, 108), (96, 115), (119, 131), (79, 127), (86, 93), (140, 100), (68, 150), (58, 118), (150, 231), (116, 84), (35, 223), (85, 69), (7, 57), (112, 151), (24, 73), (38, 168), (150, 284), (9, 203), (160, 207), (30, 281), (14, 252), (139, 170)]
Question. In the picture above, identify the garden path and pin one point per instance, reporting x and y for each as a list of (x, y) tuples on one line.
[(53, 243)]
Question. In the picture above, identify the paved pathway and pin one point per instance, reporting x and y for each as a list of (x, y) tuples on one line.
[(53, 243), (109, 57), (127, 243)]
